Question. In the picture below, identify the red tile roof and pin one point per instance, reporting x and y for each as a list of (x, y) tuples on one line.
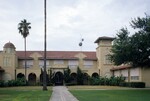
[(58, 54), (120, 67)]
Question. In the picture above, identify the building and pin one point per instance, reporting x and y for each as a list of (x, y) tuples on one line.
[(132, 74), (92, 63)]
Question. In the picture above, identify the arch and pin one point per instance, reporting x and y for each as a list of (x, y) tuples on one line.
[(95, 75), (20, 76), (32, 79), (41, 78), (73, 77), (86, 78), (59, 78)]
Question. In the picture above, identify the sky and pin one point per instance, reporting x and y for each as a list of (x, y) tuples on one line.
[(68, 21)]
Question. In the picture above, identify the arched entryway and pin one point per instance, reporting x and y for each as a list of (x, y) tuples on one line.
[(95, 75), (73, 77), (32, 79), (41, 79), (86, 79), (20, 76), (59, 78)]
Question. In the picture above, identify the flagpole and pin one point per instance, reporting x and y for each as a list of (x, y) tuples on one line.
[(44, 73)]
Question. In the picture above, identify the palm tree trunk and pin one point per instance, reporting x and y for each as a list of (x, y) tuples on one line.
[(44, 74), (25, 62)]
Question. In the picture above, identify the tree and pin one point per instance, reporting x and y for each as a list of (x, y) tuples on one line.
[(67, 77), (121, 48), (80, 76), (140, 42), (23, 28), (136, 48)]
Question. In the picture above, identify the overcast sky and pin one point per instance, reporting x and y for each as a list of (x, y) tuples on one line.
[(67, 21)]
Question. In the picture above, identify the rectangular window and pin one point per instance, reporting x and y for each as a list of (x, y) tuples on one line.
[(88, 64), (73, 63), (107, 60), (58, 62), (134, 77), (134, 73), (116, 73), (41, 63), (29, 63), (124, 73), (6, 62)]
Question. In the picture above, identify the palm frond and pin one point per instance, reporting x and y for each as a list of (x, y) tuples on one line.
[(24, 27)]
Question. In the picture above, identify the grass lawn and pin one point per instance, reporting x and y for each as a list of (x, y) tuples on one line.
[(24, 94), (111, 94)]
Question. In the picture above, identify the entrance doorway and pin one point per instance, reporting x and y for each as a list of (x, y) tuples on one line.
[(58, 78), (32, 79), (20, 76)]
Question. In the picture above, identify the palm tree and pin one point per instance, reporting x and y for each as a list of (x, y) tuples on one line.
[(23, 28)]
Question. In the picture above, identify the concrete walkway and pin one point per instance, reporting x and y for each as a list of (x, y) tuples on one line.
[(61, 93)]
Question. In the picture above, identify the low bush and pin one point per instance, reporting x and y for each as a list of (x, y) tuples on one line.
[(70, 84), (112, 81), (115, 81), (2, 83), (95, 81), (124, 84), (137, 84), (10, 83), (133, 84)]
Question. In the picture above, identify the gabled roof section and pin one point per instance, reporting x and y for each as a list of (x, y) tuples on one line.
[(90, 55), (104, 38)]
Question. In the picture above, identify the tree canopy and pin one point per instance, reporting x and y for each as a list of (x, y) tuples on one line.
[(134, 49), (24, 27)]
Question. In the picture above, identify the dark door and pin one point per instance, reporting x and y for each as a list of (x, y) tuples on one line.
[(58, 79)]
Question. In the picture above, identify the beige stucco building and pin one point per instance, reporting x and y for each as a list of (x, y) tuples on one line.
[(92, 63), (132, 74)]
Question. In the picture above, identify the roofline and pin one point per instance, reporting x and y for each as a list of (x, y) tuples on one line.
[(104, 38), (41, 58), (28, 58), (120, 68)]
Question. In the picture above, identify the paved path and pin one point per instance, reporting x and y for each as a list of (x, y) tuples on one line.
[(61, 93)]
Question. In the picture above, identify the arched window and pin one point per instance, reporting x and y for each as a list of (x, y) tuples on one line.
[(95, 75)]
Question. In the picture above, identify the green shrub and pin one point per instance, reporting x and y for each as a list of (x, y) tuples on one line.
[(20, 82), (133, 84), (80, 76), (94, 80), (10, 83), (2, 83), (70, 84), (112, 81), (115, 81), (137, 84), (124, 84), (67, 77)]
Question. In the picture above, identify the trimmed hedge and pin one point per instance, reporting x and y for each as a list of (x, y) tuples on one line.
[(2, 83), (11, 83), (70, 84), (112, 81), (133, 84)]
